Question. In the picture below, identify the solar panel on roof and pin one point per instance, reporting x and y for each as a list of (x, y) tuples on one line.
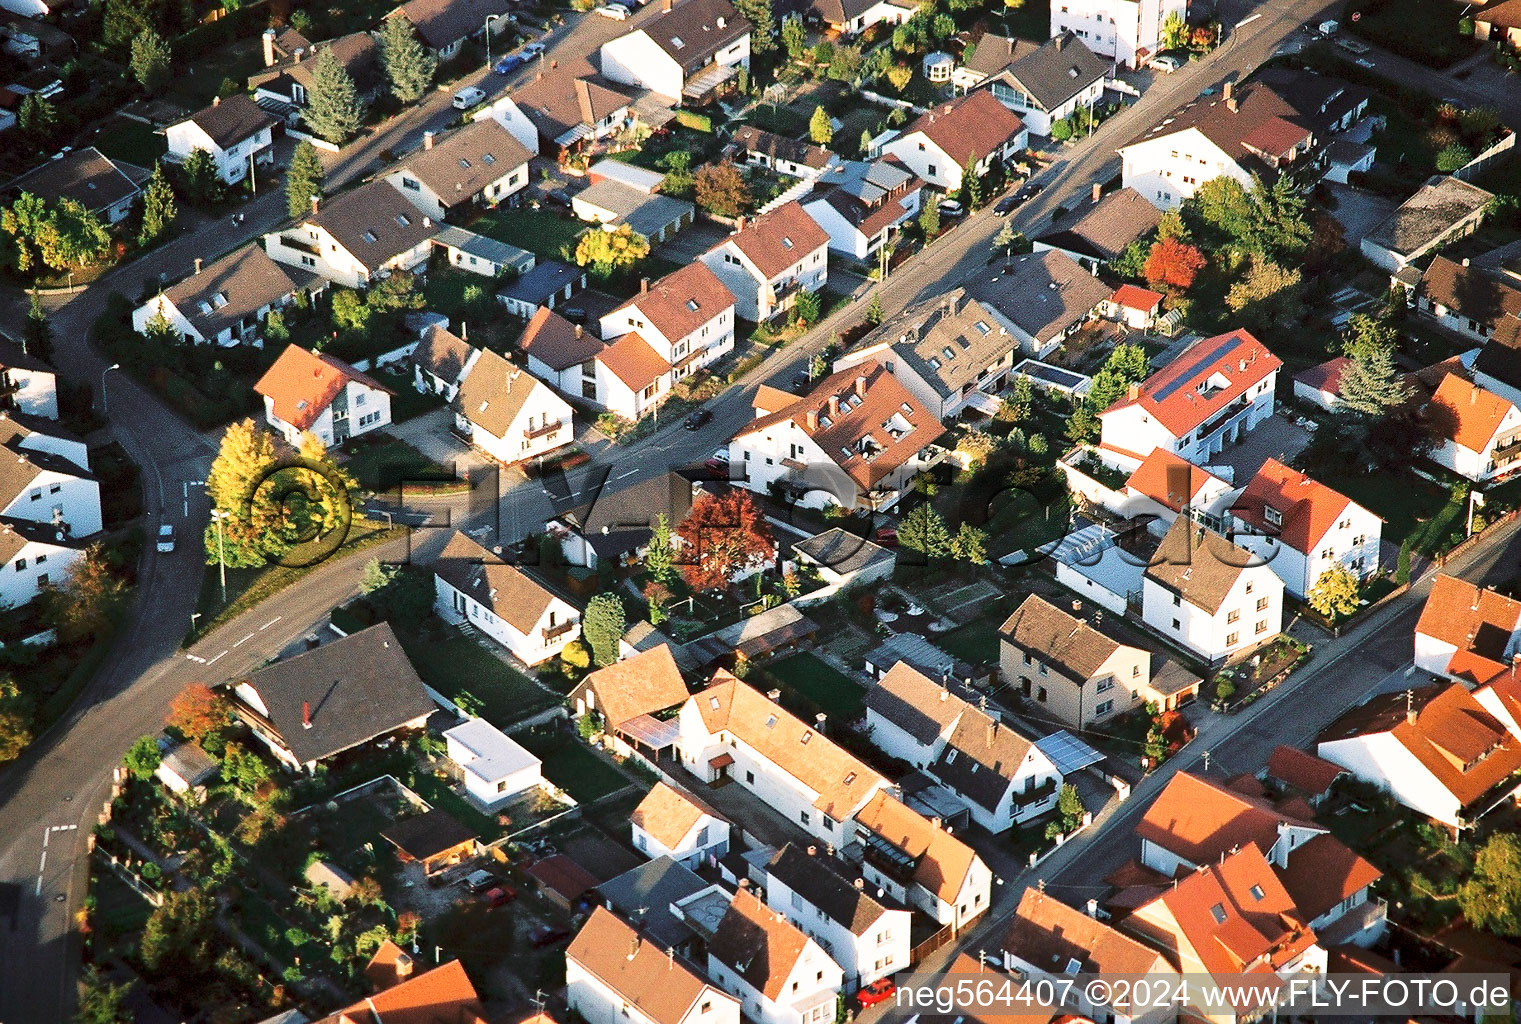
[(1068, 753), (1225, 344)]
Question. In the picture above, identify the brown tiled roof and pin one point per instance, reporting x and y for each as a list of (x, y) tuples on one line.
[(1477, 621), (663, 988), (85, 175), (1261, 121), (1047, 933), (841, 780), (233, 290), (442, 353), (692, 31), (373, 210), (1055, 71), (683, 300), (668, 813), (230, 121), (972, 126), (757, 943), (1198, 820), (1322, 872), (915, 703), (1172, 395), (1197, 564), (496, 392), (1325, 376), (1502, 15), (556, 342), (780, 239), (818, 880), (633, 361), (641, 684), (1466, 413), (993, 53), (466, 160), (1045, 293), (563, 875), (357, 52), (302, 384), (506, 590), (559, 99), (441, 994), (1103, 229), (1076, 649), (779, 147), (942, 862), (441, 22), (427, 835), (1469, 292), (1302, 770), (981, 757)]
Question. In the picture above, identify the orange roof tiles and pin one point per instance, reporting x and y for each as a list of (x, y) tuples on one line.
[(757, 943), (1045, 931), (1236, 362), (668, 814), (442, 994), (1466, 413), (1306, 507), (1325, 376), (641, 684), (1198, 820), (1322, 872), (1133, 296), (1158, 474), (664, 988), (943, 861), (682, 301), (302, 384), (633, 361), (1302, 770), (970, 127), (1478, 622), (780, 239)]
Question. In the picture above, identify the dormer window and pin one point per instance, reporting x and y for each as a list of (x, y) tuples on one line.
[(1218, 913), (949, 355), (771, 722), (692, 305), (678, 42), (786, 242), (403, 220), (1272, 516), (488, 159), (806, 737), (850, 778), (982, 327), (713, 703), (1257, 893), (371, 237), (464, 163)]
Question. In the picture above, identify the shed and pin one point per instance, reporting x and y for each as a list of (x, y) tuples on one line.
[(184, 767), (562, 880), (481, 255), (434, 839), (640, 178), (613, 204), (771, 630), (842, 558), (324, 874), (495, 766)]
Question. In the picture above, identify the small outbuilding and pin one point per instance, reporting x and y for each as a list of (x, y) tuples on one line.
[(496, 767), (434, 839)]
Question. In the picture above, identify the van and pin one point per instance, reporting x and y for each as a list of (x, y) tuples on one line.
[(468, 97)]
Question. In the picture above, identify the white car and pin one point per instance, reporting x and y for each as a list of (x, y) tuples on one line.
[(1166, 63), (614, 11), (166, 538), (532, 49), (468, 97)]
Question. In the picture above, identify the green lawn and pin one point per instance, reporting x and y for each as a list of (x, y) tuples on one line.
[(120, 913), (1020, 522), (456, 664), (384, 465), (781, 119), (1411, 506), (815, 679), (236, 61), (126, 138), (976, 642), (539, 231), (573, 767), (1421, 30)]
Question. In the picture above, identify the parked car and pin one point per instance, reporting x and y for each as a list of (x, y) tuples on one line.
[(166, 538), (886, 536), (615, 11), (531, 50), (547, 935), (559, 197), (1006, 205), (698, 418), (468, 97), (951, 209), (1166, 62), (878, 991), (508, 64), (1028, 191), (500, 896), (480, 881), (718, 462)]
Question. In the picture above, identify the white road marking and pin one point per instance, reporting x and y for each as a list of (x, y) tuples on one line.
[(243, 641), (1247, 21), (47, 834), (271, 622), (629, 473), (196, 659), (218, 658)]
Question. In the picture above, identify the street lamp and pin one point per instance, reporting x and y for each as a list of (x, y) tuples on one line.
[(105, 407), (217, 515), (193, 617), (489, 19)]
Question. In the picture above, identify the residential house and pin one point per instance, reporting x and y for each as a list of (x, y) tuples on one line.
[(504, 602), (1129, 31), (861, 204), (1048, 297), (672, 328), (480, 254), (33, 40), (1468, 634), (671, 822), (480, 164), (779, 974), (1471, 302), (614, 974), (973, 130), (571, 105), (225, 303), (613, 204), (950, 351), (731, 730), (1210, 396), (1231, 918), (107, 188), (185, 768), (1242, 134), (867, 938), (1320, 385), (635, 698), (495, 767), (1329, 105), (313, 392), (616, 522), (1478, 433), (1302, 528), (917, 861), (1442, 211), (47, 479), (561, 353), (1048, 942), (998, 773), (1195, 821), (688, 53), (1041, 83), (444, 25), (509, 414), (767, 261), (236, 132), (443, 993), (1499, 22), (848, 17), (550, 284), (843, 559), (1210, 596), (441, 361), (856, 440), (1076, 673), (317, 704), (285, 84), (356, 236), (757, 147), (33, 555), (1096, 234), (1165, 486), (645, 894), (28, 385), (1435, 749), (1301, 774)]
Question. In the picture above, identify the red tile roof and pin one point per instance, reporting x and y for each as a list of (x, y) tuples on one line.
[(780, 239), (1466, 413), (442, 994), (970, 127), (1236, 362), (682, 301), (633, 361), (1198, 819), (1307, 507), (1158, 473), (1478, 622), (302, 384), (1322, 872), (564, 876), (1325, 376), (1302, 770), (1133, 296)]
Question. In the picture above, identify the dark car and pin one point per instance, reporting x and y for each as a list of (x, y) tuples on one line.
[(500, 896), (1006, 205), (878, 991), (547, 935), (508, 64), (887, 537), (1029, 190), (559, 197), (698, 418)]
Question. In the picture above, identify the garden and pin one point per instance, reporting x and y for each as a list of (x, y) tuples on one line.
[(811, 685), (472, 677)]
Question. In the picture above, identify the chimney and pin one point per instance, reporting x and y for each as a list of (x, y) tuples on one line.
[(427, 140), (1473, 396), (1098, 191), (944, 694), (578, 330), (1133, 392), (812, 419), (834, 405), (744, 883), (315, 201), (269, 47), (861, 386), (216, 101), (666, 6), (403, 966), (774, 695), (644, 286), (306, 714), (1465, 261), (740, 226), (197, 264), (935, 823), (1093, 909), (1232, 105), (633, 946), (813, 851), (1228, 90), (818, 722), (860, 883)]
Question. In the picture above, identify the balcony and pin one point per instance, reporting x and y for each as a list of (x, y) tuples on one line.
[(1223, 416), (548, 428), (1506, 450), (553, 633), (301, 245)]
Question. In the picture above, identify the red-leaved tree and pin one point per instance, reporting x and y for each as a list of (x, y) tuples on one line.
[(1173, 264), (721, 536), (199, 711)]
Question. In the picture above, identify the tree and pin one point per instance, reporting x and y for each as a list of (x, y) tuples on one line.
[(923, 530), (203, 182), (1174, 31), (606, 253), (1491, 897), (333, 109), (794, 37), (409, 67), (722, 536), (1335, 593), (406, 595), (806, 307), (845, 63), (1453, 156), (246, 454), (971, 184), (72, 236), (143, 758), (305, 178), (1082, 425), (101, 1002), (1219, 212), (899, 75), (820, 129), (1069, 804), (863, 145), (970, 545), (158, 208), (874, 309), (243, 768), (929, 219), (602, 627), (762, 24), (1173, 264), (15, 720), (86, 602), (1126, 365), (198, 711), (150, 60), (1130, 264), (1365, 335), (1371, 385), (178, 937), (1268, 296), (37, 332), (721, 189), (1280, 222), (37, 117)]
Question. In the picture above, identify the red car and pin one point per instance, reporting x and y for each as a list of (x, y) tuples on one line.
[(500, 896), (547, 935), (887, 537), (878, 991)]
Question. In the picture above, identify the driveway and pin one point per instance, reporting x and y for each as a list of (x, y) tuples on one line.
[(1358, 212), (692, 242), (1278, 438), (429, 434)]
